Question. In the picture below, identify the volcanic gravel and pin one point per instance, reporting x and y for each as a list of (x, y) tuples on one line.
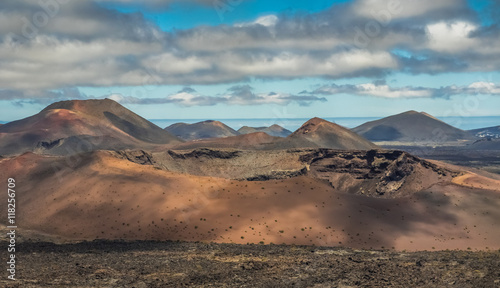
[(180, 264)]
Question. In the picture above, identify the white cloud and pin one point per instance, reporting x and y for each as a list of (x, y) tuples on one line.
[(485, 88), (385, 91), (306, 65), (49, 63), (168, 63), (116, 97), (451, 37), (398, 9), (236, 95), (185, 99), (267, 21), (243, 38)]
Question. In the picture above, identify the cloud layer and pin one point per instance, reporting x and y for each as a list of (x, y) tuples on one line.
[(385, 91), (63, 44), (236, 95)]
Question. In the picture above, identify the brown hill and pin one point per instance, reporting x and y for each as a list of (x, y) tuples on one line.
[(69, 127), (105, 195), (315, 133), (321, 133), (253, 141), (201, 130), (273, 130), (411, 126)]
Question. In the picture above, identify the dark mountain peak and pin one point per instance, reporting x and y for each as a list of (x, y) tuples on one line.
[(410, 126)]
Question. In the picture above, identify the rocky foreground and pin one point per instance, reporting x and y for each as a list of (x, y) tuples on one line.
[(180, 264)]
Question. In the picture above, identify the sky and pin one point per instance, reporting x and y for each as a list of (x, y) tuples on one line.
[(223, 59)]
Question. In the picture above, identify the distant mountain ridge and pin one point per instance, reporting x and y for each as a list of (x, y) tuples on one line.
[(315, 133), (75, 126), (252, 141), (273, 130), (201, 130), (411, 126)]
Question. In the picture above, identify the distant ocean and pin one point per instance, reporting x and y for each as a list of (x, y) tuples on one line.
[(465, 123)]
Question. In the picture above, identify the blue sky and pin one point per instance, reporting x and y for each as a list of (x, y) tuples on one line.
[(204, 59), (214, 13)]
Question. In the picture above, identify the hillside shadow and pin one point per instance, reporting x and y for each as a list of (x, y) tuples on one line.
[(149, 134), (371, 222), (382, 133)]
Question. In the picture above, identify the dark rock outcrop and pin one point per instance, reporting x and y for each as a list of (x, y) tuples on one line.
[(139, 157)]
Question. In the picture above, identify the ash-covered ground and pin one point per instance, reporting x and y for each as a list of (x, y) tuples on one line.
[(180, 264)]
